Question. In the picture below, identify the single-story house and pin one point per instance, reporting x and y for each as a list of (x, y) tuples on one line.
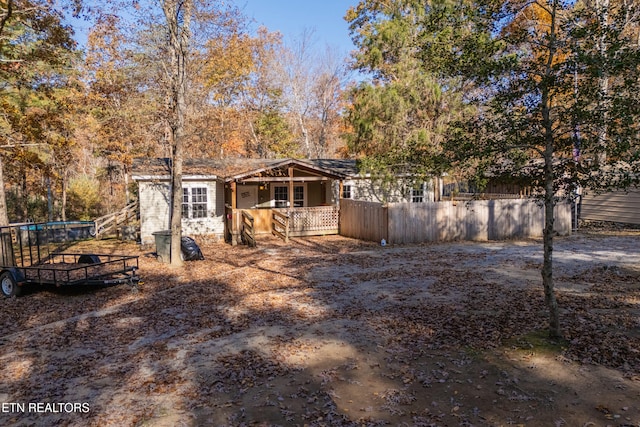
[(217, 191)]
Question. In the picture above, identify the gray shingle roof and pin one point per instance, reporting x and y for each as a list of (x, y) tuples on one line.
[(237, 168)]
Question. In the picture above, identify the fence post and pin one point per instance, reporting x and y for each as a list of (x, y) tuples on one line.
[(385, 224)]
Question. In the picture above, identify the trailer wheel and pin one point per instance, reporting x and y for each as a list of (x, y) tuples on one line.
[(9, 286), (89, 259)]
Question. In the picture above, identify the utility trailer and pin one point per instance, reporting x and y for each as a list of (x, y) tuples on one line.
[(36, 254)]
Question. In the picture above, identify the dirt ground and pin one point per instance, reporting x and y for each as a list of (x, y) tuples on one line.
[(334, 332)]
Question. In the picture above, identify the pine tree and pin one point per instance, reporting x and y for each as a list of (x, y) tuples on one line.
[(551, 90)]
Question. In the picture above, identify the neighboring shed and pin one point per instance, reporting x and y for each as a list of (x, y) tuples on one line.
[(614, 206)]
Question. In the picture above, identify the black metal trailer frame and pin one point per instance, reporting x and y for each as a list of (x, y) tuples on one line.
[(34, 253)]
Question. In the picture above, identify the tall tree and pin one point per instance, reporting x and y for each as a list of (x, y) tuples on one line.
[(33, 41), (122, 111), (550, 115), (534, 73), (297, 82), (312, 87), (177, 14), (399, 119), (164, 50), (263, 102), (226, 71), (329, 103)]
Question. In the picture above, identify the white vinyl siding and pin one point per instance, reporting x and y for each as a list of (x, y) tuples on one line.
[(154, 209)]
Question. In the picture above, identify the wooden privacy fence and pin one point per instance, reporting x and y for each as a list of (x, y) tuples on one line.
[(479, 220), (364, 220)]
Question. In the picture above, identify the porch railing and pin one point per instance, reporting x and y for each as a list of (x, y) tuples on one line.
[(248, 230), (315, 221), (284, 222), (280, 225)]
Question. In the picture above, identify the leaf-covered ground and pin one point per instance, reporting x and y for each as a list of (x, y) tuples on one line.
[(333, 331)]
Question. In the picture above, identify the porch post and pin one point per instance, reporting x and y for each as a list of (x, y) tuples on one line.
[(339, 204), (234, 205), (290, 187), (234, 201)]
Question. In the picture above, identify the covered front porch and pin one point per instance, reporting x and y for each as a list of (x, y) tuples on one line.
[(292, 198)]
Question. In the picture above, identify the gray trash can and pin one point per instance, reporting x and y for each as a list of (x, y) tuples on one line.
[(163, 245)]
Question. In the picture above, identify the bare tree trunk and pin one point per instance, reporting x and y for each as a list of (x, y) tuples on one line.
[(7, 12), (548, 234), (176, 203), (178, 17), (127, 196), (262, 152), (25, 197), (602, 11), (549, 191), (305, 136), (4, 217), (65, 179), (49, 200)]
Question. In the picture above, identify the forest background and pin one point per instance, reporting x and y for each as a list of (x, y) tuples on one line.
[(441, 86), (72, 117), (545, 93)]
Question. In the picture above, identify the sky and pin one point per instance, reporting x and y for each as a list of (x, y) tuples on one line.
[(292, 17), (325, 18)]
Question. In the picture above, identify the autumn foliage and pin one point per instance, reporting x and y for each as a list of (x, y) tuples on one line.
[(75, 111)]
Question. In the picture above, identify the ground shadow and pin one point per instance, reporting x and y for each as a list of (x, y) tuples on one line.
[(302, 334)]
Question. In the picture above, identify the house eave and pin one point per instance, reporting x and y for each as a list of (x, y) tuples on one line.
[(301, 165), (168, 177)]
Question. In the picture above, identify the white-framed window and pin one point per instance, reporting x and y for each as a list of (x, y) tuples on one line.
[(417, 193), (281, 196), (298, 196), (346, 191), (194, 202)]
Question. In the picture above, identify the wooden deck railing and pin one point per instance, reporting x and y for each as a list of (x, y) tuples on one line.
[(111, 222), (248, 235), (284, 223), (313, 221), (483, 196), (280, 225)]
